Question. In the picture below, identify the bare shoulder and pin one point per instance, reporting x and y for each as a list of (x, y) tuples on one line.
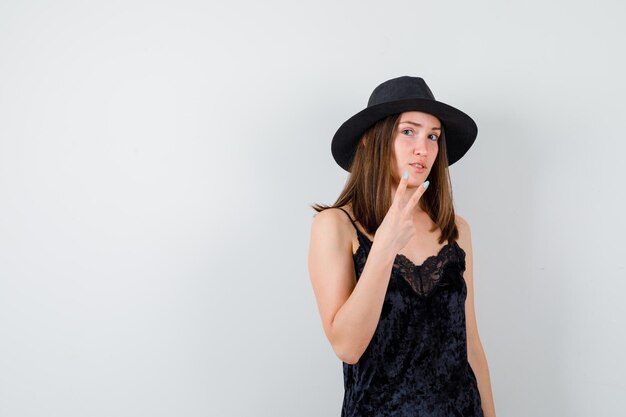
[(331, 219), (461, 223), (333, 227), (465, 238)]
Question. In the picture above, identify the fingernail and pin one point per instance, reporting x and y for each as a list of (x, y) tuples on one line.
[(426, 184), (406, 174)]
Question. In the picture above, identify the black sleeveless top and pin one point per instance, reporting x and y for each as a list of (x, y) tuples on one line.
[(416, 363)]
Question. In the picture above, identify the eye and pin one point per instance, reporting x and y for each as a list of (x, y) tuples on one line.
[(407, 130), (435, 136)]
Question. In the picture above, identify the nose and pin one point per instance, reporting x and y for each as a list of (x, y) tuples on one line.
[(420, 147)]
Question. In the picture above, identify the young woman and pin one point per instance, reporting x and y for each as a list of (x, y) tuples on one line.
[(391, 263)]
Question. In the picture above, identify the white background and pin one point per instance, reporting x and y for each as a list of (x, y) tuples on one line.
[(158, 160)]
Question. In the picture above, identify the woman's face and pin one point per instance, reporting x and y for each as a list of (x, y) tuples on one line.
[(416, 141)]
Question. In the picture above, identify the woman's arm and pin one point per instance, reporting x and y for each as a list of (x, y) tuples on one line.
[(350, 310), (475, 353)]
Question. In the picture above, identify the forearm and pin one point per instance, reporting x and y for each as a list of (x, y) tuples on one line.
[(478, 362), (355, 322)]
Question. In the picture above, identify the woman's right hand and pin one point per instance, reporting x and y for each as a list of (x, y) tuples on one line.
[(397, 228)]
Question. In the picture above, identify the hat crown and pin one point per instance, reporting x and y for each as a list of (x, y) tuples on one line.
[(401, 88)]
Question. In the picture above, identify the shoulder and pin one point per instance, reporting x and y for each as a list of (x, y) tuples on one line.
[(462, 224), (465, 236), (331, 237), (333, 216), (332, 222)]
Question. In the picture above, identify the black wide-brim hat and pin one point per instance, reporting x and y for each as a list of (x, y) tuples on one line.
[(400, 95)]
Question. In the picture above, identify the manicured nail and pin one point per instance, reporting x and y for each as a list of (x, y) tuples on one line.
[(406, 175), (426, 184)]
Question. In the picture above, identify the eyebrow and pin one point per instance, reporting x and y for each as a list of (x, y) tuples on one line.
[(417, 124)]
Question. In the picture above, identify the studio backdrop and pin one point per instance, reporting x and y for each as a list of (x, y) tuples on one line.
[(158, 161)]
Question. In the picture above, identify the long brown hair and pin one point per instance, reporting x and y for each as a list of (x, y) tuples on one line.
[(370, 186)]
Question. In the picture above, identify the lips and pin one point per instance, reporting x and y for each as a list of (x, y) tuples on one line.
[(421, 163)]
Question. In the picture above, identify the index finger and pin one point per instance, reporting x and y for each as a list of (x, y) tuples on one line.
[(417, 195), (401, 188)]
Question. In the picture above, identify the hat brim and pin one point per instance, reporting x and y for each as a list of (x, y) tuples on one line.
[(460, 129)]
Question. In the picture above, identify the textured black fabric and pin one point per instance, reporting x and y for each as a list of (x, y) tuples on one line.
[(416, 363)]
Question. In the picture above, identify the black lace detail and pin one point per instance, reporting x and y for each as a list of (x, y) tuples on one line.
[(423, 278)]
